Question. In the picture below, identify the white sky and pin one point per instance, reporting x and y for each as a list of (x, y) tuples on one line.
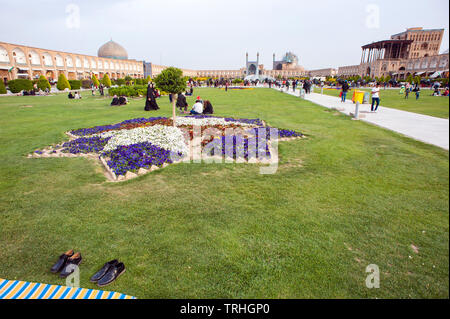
[(215, 34)]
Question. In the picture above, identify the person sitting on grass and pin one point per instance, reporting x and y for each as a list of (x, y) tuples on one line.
[(71, 96), (208, 108), (191, 91), (436, 91), (115, 101), (123, 100), (77, 95), (197, 108), (181, 102), (445, 92)]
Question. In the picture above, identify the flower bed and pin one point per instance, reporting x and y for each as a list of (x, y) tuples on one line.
[(139, 145)]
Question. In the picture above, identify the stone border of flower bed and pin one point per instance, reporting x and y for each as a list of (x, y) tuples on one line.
[(56, 151)]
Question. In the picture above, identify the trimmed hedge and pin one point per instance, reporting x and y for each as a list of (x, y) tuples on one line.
[(95, 81), (120, 82), (15, 86), (130, 91), (62, 83), (43, 83), (86, 84), (2, 87), (106, 81), (75, 84)]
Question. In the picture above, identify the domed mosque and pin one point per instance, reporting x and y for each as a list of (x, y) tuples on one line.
[(112, 50), (289, 61)]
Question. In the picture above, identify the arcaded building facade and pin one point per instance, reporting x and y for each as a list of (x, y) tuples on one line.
[(19, 61)]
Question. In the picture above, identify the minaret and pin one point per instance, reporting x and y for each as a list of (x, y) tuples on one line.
[(246, 58), (257, 63)]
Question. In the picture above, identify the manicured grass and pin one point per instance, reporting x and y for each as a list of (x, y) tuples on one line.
[(349, 195), (437, 106)]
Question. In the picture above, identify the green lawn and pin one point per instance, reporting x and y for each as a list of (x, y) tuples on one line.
[(437, 106), (349, 195)]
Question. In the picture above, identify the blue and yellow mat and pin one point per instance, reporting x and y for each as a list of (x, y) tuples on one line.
[(16, 289)]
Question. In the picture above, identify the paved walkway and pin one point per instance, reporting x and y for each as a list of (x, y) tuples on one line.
[(428, 129)]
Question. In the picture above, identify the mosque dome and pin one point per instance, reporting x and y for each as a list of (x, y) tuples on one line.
[(290, 57), (112, 50)]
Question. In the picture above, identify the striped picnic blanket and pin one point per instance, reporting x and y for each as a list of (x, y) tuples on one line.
[(16, 289)]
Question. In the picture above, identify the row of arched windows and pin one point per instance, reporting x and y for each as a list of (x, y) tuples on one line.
[(59, 61)]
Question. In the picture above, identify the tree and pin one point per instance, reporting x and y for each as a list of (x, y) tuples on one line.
[(15, 86), (43, 83), (2, 87), (62, 83), (75, 84), (106, 81), (171, 81), (417, 80), (409, 79), (95, 81), (148, 80), (128, 80)]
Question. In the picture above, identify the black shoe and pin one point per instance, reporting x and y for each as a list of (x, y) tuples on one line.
[(71, 261), (99, 274), (112, 274), (59, 265)]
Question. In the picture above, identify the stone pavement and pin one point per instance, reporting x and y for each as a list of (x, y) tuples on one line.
[(428, 129)]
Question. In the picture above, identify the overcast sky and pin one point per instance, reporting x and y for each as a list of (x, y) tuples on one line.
[(215, 34)]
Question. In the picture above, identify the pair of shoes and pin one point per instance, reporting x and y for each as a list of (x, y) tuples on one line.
[(108, 273), (65, 263)]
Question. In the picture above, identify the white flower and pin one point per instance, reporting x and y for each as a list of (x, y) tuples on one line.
[(167, 137)]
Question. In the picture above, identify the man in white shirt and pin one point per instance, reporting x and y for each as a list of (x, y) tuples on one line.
[(197, 108), (375, 97)]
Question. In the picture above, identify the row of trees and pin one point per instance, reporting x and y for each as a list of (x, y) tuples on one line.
[(15, 86)]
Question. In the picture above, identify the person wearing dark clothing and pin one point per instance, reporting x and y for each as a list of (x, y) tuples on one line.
[(123, 100), (170, 97), (345, 88), (417, 91), (306, 87), (150, 102), (181, 102), (71, 95), (115, 101), (207, 107)]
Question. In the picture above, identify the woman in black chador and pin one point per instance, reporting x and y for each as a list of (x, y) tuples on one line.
[(150, 102)]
